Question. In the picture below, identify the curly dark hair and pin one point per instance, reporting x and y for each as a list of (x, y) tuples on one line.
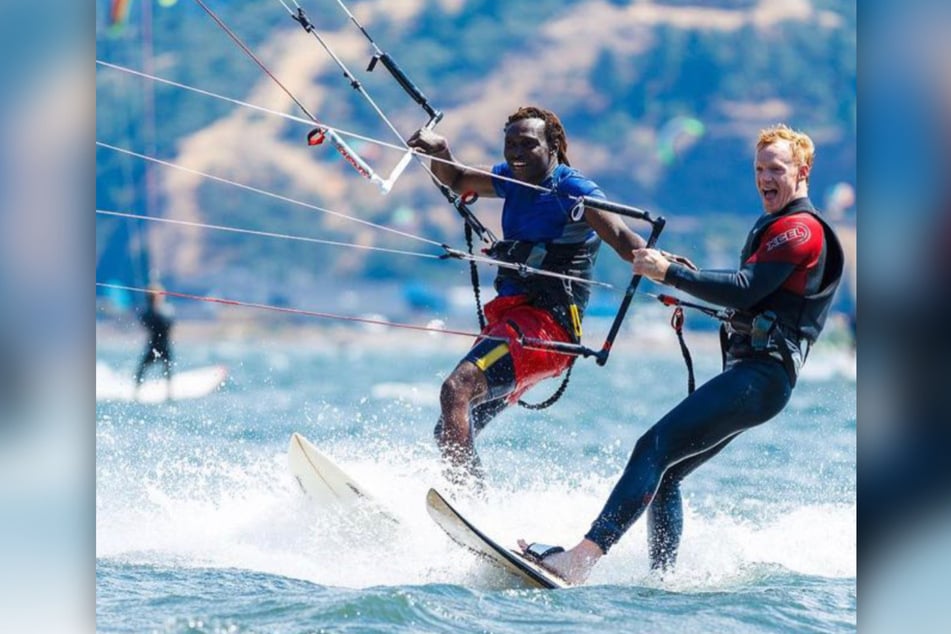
[(554, 131)]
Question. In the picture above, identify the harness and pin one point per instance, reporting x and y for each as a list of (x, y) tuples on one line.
[(767, 338), (565, 300)]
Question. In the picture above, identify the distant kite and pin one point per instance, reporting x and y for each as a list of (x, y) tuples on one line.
[(118, 13), (676, 136)]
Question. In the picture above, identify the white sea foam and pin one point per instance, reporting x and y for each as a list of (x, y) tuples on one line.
[(254, 516)]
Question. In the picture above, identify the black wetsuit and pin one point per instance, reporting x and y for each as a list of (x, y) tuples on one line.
[(789, 268), (158, 321)]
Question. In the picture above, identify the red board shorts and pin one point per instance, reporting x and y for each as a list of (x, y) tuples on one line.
[(511, 368)]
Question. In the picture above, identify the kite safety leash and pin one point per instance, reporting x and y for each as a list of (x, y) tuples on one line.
[(473, 226), (460, 203), (677, 323), (316, 136)]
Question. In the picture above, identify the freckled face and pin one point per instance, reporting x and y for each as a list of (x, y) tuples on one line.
[(779, 179), (527, 152)]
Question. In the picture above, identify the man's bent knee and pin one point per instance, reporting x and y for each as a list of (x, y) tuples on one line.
[(466, 383)]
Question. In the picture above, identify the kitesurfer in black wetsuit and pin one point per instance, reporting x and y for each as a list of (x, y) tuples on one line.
[(157, 319), (789, 269)]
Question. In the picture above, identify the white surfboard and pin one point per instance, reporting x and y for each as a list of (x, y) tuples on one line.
[(323, 481), (464, 533), (189, 384)]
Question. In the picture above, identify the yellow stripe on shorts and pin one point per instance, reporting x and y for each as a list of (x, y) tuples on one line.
[(486, 361)]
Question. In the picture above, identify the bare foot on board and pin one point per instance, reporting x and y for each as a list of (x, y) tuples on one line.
[(573, 565)]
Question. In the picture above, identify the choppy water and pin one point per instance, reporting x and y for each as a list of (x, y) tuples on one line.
[(200, 527)]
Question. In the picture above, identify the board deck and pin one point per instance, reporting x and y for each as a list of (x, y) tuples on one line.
[(464, 533), (189, 384), (323, 481)]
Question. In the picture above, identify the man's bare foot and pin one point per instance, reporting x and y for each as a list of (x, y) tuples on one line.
[(572, 565)]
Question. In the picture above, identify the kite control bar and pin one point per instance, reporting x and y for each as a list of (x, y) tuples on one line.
[(601, 356)]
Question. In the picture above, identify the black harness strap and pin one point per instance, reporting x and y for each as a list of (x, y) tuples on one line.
[(551, 400), (677, 323), (474, 278), (768, 328)]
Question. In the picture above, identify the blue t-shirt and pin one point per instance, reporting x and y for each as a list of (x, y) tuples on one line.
[(537, 216), (531, 215)]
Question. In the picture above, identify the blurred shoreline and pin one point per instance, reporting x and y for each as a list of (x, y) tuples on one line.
[(640, 332), (123, 331), (832, 356)]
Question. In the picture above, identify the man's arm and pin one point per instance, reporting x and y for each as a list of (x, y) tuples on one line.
[(763, 273), (740, 289), (459, 179), (615, 232)]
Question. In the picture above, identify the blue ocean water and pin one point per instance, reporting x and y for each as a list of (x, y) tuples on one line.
[(200, 527)]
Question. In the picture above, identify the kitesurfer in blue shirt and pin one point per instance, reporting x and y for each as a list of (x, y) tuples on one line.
[(789, 270), (543, 227)]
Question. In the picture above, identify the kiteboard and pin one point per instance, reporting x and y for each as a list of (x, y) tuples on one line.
[(323, 481), (189, 384), (464, 533)]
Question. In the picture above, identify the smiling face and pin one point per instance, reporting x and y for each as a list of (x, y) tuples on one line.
[(780, 179), (527, 152)]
